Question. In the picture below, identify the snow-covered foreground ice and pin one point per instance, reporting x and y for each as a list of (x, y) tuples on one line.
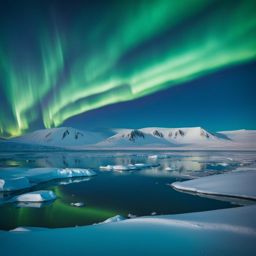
[(19, 178), (225, 232), (235, 184)]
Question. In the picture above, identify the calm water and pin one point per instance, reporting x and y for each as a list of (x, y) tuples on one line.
[(110, 193)]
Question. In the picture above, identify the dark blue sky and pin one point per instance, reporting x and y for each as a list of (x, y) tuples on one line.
[(224, 100), (130, 63)]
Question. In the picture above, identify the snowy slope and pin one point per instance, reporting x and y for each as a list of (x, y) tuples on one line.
[(162, 137), (145, 138), (247, 137), (220, 232), (60, 137), (131, 138)]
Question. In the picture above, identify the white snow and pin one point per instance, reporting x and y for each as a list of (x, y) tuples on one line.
[(106, 168), (160, 156), (147, 138), (221, 232), (78, 204), (36, 196), (156, 137), (128, 167), (236, 184), (60, 137)]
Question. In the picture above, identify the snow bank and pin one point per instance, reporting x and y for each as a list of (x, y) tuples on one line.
[(235, 184), (221, 232), (36, 196), (14, 184)]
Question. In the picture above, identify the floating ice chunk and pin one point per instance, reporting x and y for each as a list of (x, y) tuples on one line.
[(133, 167), (223, 164), (38, 175), (116, 218), (162, 156), (106, 167), (153, 213), (120, 168), (75, 172), (36, 196), (168, 168), (129, 167), (78, 204), (153, 157), (142, 165)]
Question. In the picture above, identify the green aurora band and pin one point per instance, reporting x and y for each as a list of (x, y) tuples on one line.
[(130, 50)]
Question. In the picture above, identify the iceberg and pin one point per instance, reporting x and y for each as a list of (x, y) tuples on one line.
[(128, 167), (106, 167), (161, 156), (20, 178), (78, 204), (35, 196), (38, 175)]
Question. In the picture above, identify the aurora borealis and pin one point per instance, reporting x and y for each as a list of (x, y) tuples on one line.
[(58, 60)]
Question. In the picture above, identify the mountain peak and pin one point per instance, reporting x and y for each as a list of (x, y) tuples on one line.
[(148, 137)]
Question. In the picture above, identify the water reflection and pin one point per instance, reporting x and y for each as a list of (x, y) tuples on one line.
[(139, 192)]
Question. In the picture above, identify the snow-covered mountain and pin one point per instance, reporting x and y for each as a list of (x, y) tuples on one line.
[(60, 137), (145, 138), (161, 137)]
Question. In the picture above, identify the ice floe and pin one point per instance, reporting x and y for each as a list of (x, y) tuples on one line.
[(35, 196), (128, 167), (78, 204), (233, 184), (19, 178), (160, 156)]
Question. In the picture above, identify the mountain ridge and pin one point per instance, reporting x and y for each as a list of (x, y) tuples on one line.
[(143, 138)]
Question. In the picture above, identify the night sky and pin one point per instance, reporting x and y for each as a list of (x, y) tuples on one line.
[(106, 64)]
